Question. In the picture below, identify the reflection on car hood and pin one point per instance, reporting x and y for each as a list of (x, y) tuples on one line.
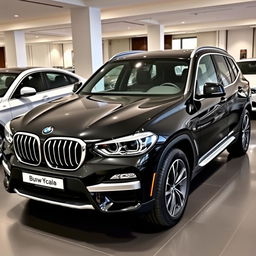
[(94, 117)]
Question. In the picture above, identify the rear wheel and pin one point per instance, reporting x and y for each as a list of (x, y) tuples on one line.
[(171, 190), (241, 145)]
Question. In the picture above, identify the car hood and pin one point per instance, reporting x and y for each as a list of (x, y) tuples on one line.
[(93, 117)]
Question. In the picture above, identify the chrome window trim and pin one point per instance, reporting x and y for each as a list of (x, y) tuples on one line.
[(85, 206), (39, 147), (118, 186), (83, 153), (194, 90)]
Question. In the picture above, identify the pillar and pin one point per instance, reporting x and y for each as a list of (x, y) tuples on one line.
[(15, 49), (155, 37), (87, 40)]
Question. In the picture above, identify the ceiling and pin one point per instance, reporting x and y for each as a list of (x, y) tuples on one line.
[(49, 20)]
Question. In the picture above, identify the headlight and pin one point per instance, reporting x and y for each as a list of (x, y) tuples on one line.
[(132, 145), (8, 133)]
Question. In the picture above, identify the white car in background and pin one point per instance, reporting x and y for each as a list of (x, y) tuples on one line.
[(248, 68), (22, 89)]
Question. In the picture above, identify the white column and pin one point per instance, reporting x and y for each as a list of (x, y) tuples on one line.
[(15, 49), (155, 37), (106, 50), (222, 39), (87, 40)]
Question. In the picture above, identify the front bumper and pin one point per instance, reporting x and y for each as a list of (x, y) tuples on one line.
[(92, 192)]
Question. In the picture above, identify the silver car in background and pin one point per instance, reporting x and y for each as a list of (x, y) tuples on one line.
[(22, 89)]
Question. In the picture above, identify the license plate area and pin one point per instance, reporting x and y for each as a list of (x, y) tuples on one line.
[(43, 181)]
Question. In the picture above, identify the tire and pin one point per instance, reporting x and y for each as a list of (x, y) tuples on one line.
[(170, 193), (241, 145)]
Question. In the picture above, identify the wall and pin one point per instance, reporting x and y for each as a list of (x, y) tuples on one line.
[(119, 45), (49, 55), (206, 39), (238, 40), (68, 54)]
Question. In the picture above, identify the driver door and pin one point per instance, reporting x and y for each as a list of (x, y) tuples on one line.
[(20, 105)]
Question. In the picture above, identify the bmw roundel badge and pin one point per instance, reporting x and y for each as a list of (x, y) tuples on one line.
[(47, 130)]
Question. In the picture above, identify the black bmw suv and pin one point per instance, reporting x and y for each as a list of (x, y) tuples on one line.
[(134, 136)]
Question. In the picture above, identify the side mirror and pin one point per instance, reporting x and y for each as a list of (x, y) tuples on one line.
[(213, 90), (76, 86), (27, 91)]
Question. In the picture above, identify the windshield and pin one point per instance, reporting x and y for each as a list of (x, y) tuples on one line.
[(6, 80), (139, 77), (248, 67)]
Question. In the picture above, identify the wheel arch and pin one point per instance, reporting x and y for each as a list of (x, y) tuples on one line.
[(185, 142)]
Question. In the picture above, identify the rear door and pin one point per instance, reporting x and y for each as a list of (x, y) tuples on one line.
[(235, 97), (58, 84), (212, 118)]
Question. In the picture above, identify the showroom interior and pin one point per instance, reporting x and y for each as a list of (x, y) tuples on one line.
[(80, 36)]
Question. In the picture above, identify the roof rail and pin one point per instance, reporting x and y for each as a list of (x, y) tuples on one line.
[(205, 48), (121, 54)]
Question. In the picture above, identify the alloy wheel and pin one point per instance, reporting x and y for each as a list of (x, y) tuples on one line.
[(176, 188), (246, 128)]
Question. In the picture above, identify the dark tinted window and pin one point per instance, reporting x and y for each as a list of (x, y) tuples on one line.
[(205, 74), (233, 75), (248, 67), (33, 80), (233, 66), (56, 80), (72, 79), (6, 80), (151, 76), (223, 70)]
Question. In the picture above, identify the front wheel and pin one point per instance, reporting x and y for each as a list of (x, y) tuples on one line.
[(241, 146), (171, 190)]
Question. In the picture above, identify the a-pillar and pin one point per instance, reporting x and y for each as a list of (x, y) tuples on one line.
[(155, 37), (15, 49), (87, 40)]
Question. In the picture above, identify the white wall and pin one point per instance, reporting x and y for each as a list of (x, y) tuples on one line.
[(119, 45), (56, 55), (49, 55), (206, 39), (68, 55), (239, 40)]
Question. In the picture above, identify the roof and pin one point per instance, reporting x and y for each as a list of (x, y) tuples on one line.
[(183, 54), (15, 70), (245, 60), (175, 54)]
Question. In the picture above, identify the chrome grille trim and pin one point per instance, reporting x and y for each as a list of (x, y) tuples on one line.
[(25, 148), (63, 153)]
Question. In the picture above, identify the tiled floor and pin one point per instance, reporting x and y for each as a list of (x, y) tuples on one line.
[(219, 221)]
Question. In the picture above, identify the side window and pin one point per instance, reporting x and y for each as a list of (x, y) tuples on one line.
[(56, 80), (73, 80), (233, 66), (224, 74), (205, 74), (109, 81), (233, 76), (33, 80)]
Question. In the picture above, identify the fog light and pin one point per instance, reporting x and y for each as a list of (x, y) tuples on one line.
[(123, 176)]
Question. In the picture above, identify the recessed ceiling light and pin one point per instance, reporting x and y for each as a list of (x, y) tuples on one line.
[(37, 36), (183, 22), (16, 15)]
